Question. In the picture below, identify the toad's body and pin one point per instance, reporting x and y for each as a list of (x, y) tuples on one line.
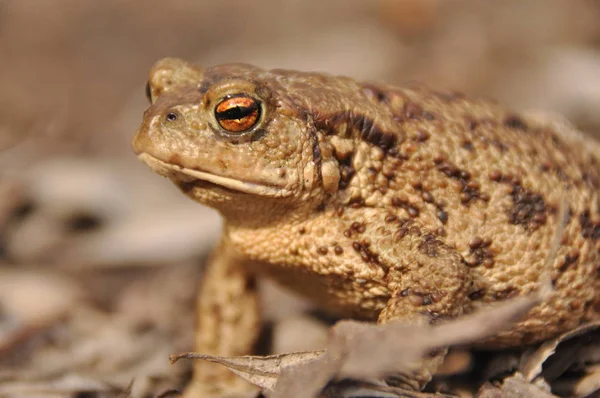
[(378, 202)]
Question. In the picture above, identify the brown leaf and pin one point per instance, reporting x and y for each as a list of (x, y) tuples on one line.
[(572, 340), (589, 384), (513, 387), (262, 371), (361, 389)]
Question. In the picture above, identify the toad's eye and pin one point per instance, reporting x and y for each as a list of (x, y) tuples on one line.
[(237, 114)]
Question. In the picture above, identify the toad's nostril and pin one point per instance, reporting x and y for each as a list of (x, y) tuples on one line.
[(22, 211), (83, 222)]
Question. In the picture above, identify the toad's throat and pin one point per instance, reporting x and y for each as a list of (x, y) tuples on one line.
[(182, 175)]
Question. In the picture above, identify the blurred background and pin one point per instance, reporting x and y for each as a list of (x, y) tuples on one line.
[(99, 259)]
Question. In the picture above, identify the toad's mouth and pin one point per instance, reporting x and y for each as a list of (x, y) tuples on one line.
[(204, 180)]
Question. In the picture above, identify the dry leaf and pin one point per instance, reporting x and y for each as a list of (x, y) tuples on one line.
[(532, 366), (262, 371), (352, 389), (588, 385), (513, 387)]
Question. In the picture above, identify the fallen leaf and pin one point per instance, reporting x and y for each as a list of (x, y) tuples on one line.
[(513, 387), (353, 389), (262, 371), (532, 366)]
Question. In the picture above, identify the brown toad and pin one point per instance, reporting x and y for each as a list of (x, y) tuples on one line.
[(377, 202)]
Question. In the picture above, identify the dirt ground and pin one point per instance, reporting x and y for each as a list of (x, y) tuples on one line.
[(100, 259)]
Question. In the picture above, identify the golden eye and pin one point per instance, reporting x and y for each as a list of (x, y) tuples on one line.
[(238, 113)]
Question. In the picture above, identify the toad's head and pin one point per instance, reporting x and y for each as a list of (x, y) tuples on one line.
[(231, 137)]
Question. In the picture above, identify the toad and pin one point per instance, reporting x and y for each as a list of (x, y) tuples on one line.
[(379, 203)]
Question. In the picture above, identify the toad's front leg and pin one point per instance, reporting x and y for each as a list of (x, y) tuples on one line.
[(227, 324), (433, 284)]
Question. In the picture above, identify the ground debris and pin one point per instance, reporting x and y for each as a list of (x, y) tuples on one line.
[(367, 352)]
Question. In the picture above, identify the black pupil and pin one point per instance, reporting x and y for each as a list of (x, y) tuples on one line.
[(237, 112)]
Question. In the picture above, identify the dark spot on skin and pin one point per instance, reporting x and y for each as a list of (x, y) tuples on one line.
[(400, 234), (358, 227), (470, 189), (356, 203), (569, 260), (322, 250), (477, 294), (390, 218), (546, 166), (427, 197), (302, 231), (529, 208), (471, 123), (495, 175), (371, 133), (468, 145), (589, 228), (430, 245), (480, 253), (515, 122), (416, 184), (338, 250), (346, 172), (411, 209), (317, 157), (356, 125), (427, 300), (393, 152), (421, 135), (441, 215), (366, 254), (405, 227)]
